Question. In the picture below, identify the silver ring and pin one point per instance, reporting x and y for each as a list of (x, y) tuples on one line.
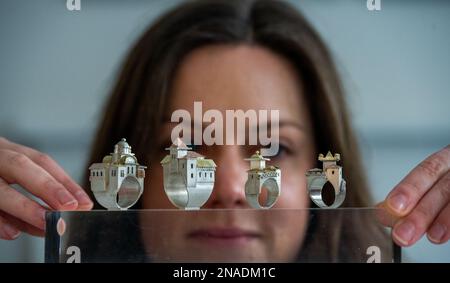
[(188, 177), (331, 173), (121, 198), (117, 182), (260, 176)]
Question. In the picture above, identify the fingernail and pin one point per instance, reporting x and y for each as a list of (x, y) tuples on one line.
[(404, 232), (83, 199), (65, 199), (398, 202), (11, 231), (437, 232)]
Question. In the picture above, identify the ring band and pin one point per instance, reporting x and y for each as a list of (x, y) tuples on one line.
[(260, 176), (331, 173), (123, 197), (252, 195), (181, 196)]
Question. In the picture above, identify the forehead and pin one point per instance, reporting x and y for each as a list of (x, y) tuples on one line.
[(238, 77)]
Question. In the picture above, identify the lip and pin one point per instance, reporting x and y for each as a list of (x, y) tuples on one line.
[(223, 235)]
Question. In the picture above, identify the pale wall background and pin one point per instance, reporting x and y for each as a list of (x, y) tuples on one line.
[(57, 66)]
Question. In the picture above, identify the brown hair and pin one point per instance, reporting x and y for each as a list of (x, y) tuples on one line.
[(137, 105)]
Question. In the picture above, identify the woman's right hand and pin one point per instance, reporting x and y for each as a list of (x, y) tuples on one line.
[(40, 175)]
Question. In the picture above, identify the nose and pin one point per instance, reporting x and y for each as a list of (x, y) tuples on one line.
[(230, 180)]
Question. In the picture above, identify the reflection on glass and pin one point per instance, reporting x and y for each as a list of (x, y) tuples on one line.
[(242, 235)]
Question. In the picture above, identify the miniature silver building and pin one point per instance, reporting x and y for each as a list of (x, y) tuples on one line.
[(117, 182), (260, 176), (188, 176), (330, 172)]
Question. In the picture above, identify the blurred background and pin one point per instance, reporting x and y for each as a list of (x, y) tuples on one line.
[(58, 66)]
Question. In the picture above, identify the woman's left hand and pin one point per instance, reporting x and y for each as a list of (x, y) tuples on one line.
[(420, 203)]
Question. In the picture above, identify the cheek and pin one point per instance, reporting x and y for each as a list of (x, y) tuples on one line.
[(293, 190), (288, 233), (154, 196), (167, 241)]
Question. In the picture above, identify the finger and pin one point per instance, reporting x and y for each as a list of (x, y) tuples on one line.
[(384, 217), (22, 226), (18, 168), (439, 233), (14, 203), (46, 162), (405, 196), (412, 227), (7, 230)]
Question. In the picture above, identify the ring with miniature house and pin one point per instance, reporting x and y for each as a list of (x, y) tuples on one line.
[(331, 173), (188, 176), (259, 177), (117, 182)]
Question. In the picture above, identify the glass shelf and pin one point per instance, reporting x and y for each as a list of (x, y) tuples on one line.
[(219, 235)]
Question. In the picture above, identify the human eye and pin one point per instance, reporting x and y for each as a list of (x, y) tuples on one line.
[(283, 152)]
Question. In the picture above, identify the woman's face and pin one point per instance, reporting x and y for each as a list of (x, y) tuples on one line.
[(225, 77)]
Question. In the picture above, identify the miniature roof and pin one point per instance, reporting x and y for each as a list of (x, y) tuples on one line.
[(123, 143), (330, 157), (189, 155), (97, 166), (125, 158), (192, 155), (122, 147), (205, 163), (256, 157), (107, 159), (166, 159), (179, 144)]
